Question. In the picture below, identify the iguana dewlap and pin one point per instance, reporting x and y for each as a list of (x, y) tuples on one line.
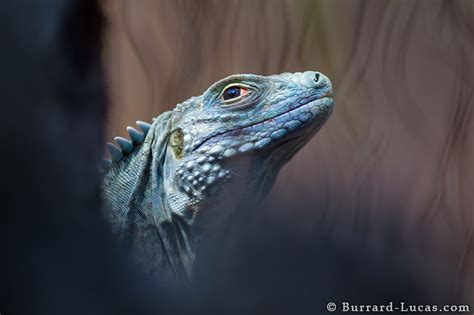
[(201, 160)]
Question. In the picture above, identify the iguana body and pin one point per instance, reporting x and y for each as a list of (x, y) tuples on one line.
[(202, 160)]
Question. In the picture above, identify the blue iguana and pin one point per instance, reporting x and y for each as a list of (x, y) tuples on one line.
[(204, 159)]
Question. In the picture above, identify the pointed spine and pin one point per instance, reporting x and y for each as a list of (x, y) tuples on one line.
[(115, 152), (124, 144), (136, 136), (106, 163), (145, 127)]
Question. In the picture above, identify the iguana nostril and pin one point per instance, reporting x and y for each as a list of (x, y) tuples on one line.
[(311, 79)]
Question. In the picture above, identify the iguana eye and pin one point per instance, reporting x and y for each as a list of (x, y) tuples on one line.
[(233, 92)]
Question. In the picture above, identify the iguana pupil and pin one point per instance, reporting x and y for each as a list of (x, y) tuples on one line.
[(231, 92)]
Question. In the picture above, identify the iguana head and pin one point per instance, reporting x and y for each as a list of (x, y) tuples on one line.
[(229, 143)]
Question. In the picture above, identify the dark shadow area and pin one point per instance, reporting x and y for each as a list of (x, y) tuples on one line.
[(56, 257), (261, 265)]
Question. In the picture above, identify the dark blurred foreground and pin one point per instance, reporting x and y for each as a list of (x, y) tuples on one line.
[(57, 257)]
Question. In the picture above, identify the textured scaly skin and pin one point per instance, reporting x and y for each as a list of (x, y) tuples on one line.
[(199, 162)]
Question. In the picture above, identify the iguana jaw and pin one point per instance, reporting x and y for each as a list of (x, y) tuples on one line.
[(271, 131), (228, 159)]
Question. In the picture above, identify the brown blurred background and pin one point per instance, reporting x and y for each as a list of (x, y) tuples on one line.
[(400, 143)]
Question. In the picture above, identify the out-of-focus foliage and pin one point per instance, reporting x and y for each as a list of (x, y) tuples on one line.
[(400, 144)]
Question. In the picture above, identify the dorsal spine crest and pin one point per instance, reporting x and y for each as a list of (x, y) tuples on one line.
[(125, 146)]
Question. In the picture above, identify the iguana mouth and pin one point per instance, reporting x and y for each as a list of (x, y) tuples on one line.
[(305, 113)]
